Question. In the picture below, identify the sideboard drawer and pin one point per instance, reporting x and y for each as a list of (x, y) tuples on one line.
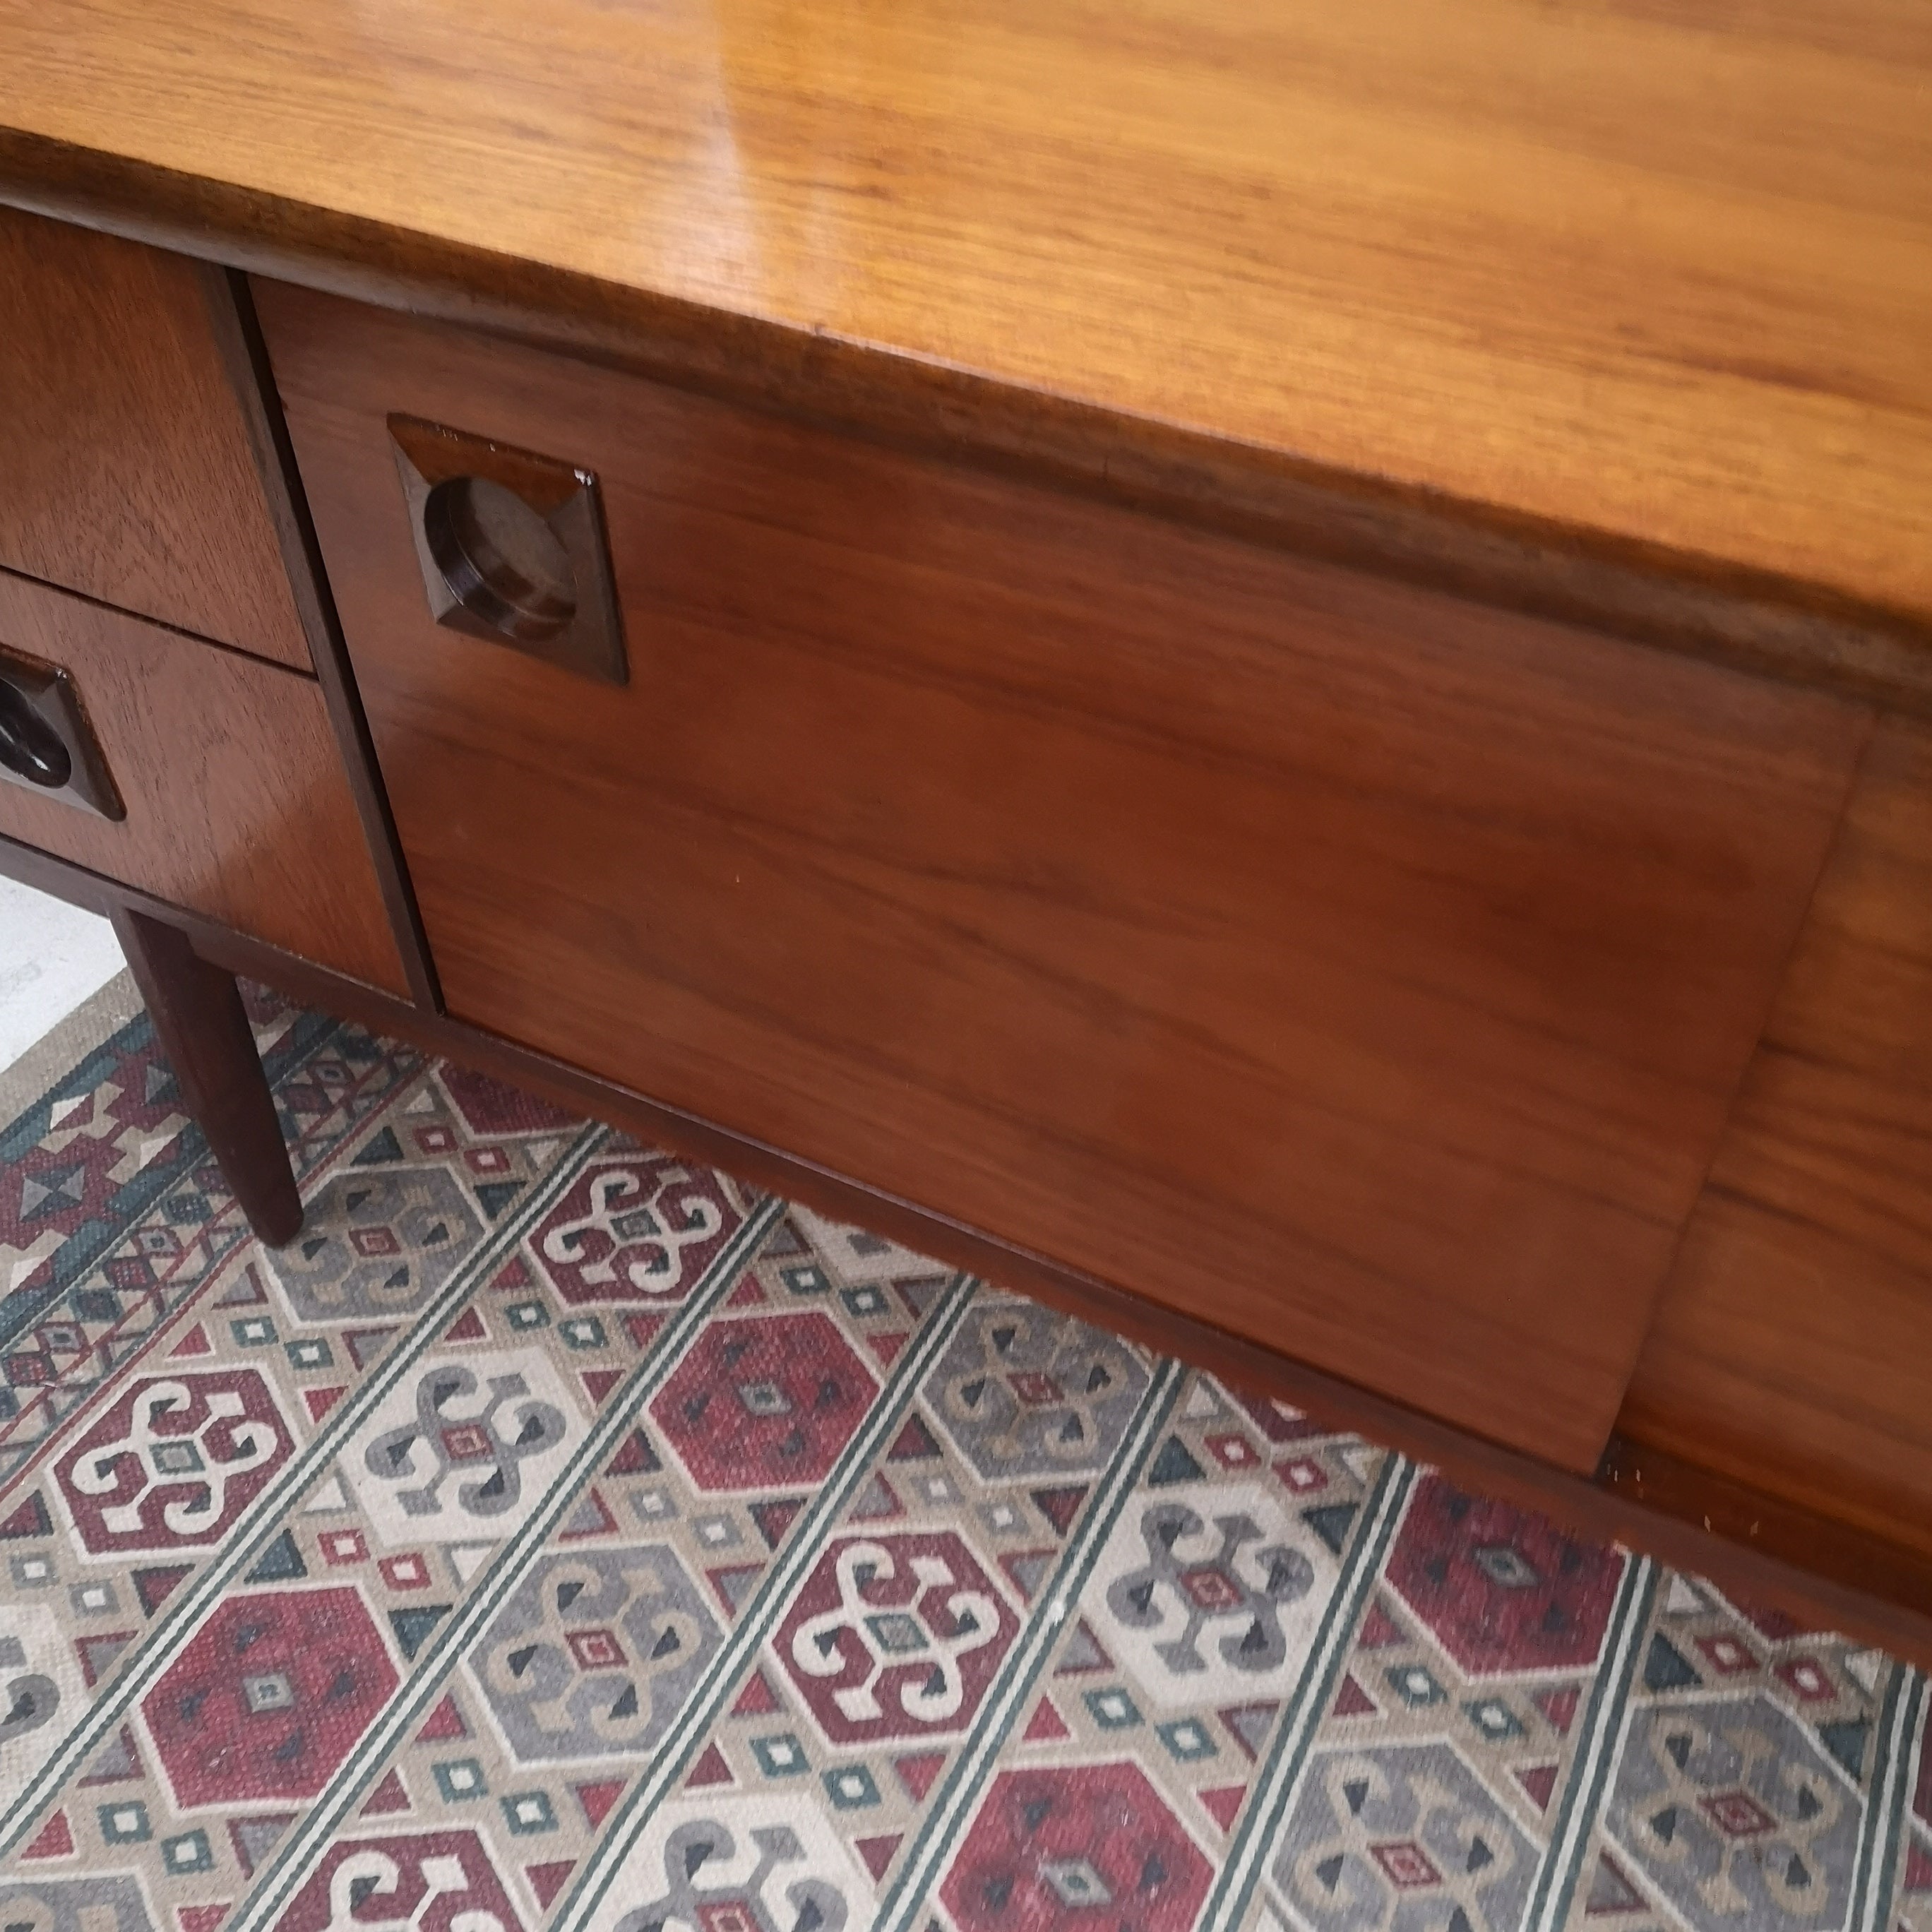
[(125, 468), (231, 795), (1364, 971)]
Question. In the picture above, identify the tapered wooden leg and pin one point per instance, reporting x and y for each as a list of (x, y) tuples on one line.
[(197, 1009)]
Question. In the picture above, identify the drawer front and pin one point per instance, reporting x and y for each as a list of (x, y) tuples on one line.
[(1792, 1347), (125, 469), (1364, 972), (232, 797)]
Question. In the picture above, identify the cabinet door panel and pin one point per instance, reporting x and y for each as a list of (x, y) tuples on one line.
[(1366, 972)]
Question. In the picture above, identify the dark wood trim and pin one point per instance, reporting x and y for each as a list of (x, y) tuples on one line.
[(238, 335), (95, 892), (1664, 1485), (1799, 1571), (199, 1022), (1758, 620)]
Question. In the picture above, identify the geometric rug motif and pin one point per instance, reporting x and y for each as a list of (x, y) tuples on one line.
[(561, 1534), (112, 1214)]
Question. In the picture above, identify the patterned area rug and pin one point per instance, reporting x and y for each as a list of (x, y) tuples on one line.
[(561, 1534)]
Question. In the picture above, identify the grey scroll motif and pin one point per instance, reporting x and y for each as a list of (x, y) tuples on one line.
[(688, 1900), (28, 1699), (1212, 1589), (482, 1452)]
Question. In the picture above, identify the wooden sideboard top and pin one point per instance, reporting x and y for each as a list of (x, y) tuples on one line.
[(1616, 308)]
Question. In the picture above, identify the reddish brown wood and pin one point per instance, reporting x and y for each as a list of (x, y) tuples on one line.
[(1761, 618), (237, 339), (124, 465), (1642, 278), (1364, 972), (1757, 1518), (1792, 1350), (1850, 1598), (237, 805), (202, 1030)]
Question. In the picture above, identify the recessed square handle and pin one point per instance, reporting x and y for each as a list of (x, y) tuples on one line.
[(46, 743), (512, 546)]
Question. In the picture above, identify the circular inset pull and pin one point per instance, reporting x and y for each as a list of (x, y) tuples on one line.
[(29, 746), (502, 562)]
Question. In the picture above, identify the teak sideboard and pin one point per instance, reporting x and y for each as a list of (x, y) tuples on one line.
[(1267, 671)]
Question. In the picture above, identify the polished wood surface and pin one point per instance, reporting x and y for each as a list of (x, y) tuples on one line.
[(198, 1020), (1866, 1592), (237, 806), (1649, 274), (125, 466), (1793, 1348), (1758, 619), (1365, 972), (238, 337)]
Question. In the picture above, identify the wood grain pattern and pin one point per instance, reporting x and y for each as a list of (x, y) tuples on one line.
[(1851, 1598), (1762, 620), (237, 339), (1792, 1347), (124, 466), (1639, 271), (1366, 972), (237, 805)]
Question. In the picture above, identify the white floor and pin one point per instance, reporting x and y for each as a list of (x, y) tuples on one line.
[(52, 957)]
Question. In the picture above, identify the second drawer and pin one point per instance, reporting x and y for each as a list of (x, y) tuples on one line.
[(234, 799), (1363, 971)]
